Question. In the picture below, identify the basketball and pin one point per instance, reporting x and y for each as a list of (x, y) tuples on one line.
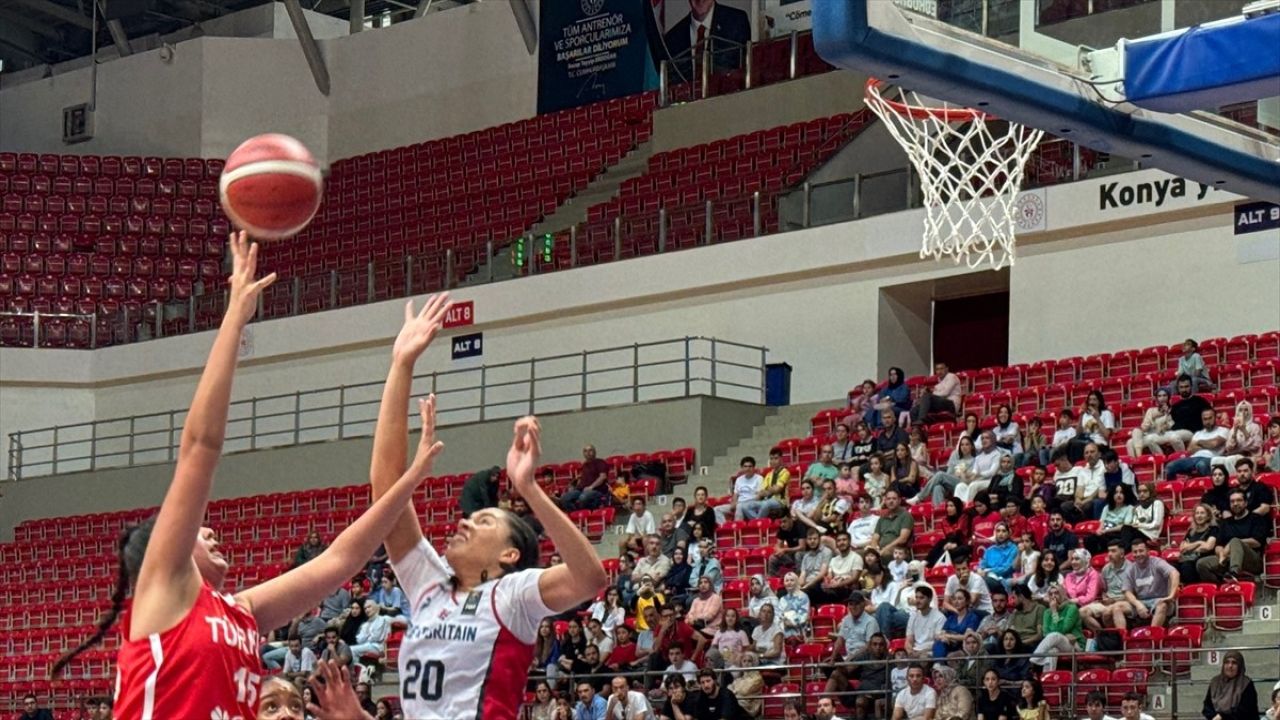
[(271, 186)]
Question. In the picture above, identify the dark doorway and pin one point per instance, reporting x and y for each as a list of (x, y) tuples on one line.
[(972, 332)]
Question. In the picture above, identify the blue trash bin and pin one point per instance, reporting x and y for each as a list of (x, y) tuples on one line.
[(777, 384)]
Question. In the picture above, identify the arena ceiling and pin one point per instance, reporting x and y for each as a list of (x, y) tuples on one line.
[(48, 32)]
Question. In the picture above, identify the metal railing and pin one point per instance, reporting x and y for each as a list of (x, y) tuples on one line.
[(727, 67), (628, 374)]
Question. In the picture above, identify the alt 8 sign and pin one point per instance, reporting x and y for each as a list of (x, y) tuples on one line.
[(460, 314)]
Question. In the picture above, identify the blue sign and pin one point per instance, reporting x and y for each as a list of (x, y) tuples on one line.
[(1256, 217), (468, 346), (592, 50)]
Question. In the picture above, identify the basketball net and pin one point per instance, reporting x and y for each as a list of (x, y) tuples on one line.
[(970, 173)]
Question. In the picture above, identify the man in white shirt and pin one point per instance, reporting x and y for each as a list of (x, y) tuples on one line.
[(826, 709), (863, 527), (979, 593), (924, 626), (1093, 473), (625, 703), (943, 398), (1130, 707), (746, 487), (916, 701), (680, 665), (299, 661), (843, 571), (1205, 445), (640, 524)]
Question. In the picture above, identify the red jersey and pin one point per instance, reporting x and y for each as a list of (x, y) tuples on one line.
[(206, 666)]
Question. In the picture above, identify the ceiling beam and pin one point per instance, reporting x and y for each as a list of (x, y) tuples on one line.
[(310, 50), (119, 37), (57, 11)]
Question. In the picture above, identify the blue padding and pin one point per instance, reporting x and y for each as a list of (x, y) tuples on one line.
[(1205, 68)]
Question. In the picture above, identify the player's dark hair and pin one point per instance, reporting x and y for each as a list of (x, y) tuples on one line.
[(525, 540), (130, 549)]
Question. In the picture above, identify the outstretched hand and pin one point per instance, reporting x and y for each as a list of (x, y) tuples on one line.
[(334, 698), (522, 458), (243, 288), (428, 446), (420, 327)]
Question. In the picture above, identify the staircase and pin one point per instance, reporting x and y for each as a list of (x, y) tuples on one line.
[(572, 212), (1261, 665)]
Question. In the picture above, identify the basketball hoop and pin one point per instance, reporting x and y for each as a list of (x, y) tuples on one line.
[(970, 173)]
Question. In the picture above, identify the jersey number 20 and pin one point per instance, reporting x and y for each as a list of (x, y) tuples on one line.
[(423, 680)]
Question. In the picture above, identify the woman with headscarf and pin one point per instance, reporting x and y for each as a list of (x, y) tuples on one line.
[(1063, 633), (793, 608), (760, 594), (1231, 695), (955, 702), (1244, 439), (970, 661), (895, 396), (1082, 582)]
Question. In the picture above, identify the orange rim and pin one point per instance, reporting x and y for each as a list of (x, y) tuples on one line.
[(950, 115)]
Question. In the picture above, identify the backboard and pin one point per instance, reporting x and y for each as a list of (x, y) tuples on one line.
[(1028, 61)]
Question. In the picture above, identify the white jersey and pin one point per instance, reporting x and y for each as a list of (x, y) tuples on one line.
[(465, 655)]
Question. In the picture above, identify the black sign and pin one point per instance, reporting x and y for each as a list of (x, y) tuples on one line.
[(1256, 217), (592, 50), (466, 346)]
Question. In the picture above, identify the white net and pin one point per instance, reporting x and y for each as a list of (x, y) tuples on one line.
[(970, 168)]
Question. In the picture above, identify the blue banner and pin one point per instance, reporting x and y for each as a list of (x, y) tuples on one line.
[(592, 50), (1256, 217), (468, 346)]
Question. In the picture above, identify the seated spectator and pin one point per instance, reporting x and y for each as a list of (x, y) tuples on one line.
[(843, 573), (1033, 443), (1063, 633), (640, 524), (1112, 607), (31, 709), (923, 627), (1028, 558), (805, 509), (875, 481), (960, 619), (772, 498), (1062, 436), (546, 653), (955, 702), (729, 641), (917, 701), (831, 509), (899, 566), (706, 608), (994, 703), (1148, 513), (674, 630), (1014, 667), (1270, 457), (701, 514), (982, 521), (872, 678), (747, 484), (1059, 540), (1093, 474), (1028, 617), (1031, 704), (1244, 439), (1074, 497), (842, 447), (309, 550), (299, 661), (905, 472), (1191, 366), (1206, 444), (1156, 429), (680, 665), (943, 482), (589, 490), (624, 655), (864, 445), (590, 705), (894, 529), (943, 398), (1045, 576), (970, 662), (601, 639), (1096, 421), (1008, 435), (956, 534), (1082, 583), (861, 402), (894, 396), (372, 635), (767, 638), (714, 701), (609, 610), (679, 701), (1200, 541), (1259, 498), (889, 437), (708, 566), (1006, 485), (1231, 694), (998, 560), (971, 582), (1115, 472), (994, 624), (391, 600), (1150, 584), (1116, 521), (588, 668), (334, 648), (653, 564), (793, 606), (847, 486), (824, 468), (759, 594), (1241, 543), (480, 491), (863, 525)]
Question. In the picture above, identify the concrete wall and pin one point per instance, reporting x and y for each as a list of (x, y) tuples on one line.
[(706, 424)]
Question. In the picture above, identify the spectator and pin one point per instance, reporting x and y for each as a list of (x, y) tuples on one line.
[(844, 571), (1244, 439), (842, 447), (391, 600), (826, 709), (680, 665), (894, 529), (759, 594), (1148, 514), (1031, 704), (832, 509), (1096, 421), (871, 673), (729, 641), (863, 526), (588, 490), (1045, 576), (31, 709), (589, 668), (1115, 473), (982, 521), (1059, 540), (640, 523), (334, 604), (1062, 630), (603, 641), (960, 620), (943, 398), (669, 540), (924, 627), (1131, 707), (1095, 706), (917, 701), (790, 541), (679, 702), (861, 402), (1116, 522), (1273, 712), (1062, 436), (349, 622), (918, 444), (1028, 618), (1231, 695), (1033, 444), (706, 609), (774, 486), (1156, 429), (1073, 498), (805, 509), (793, 605), (1028, 557), (994, 624), (998, 560), (625, 655), (1191, 366), (1150, 584), (1200, 541), (714, 701), (890, 436), (1007, 486), (767, 638), (1258, 497), (708, 566), (654, 564), (1206, 444), (590, 705), (309, 550), (847, 486), (875, 481), (372, 634), (673, 630), (1112, 607), (299, 660), (944, 482), (825, 467), (1008, 435), (972, 583), (906, 474), (480, 491), (609, 610), (894, 396), (1241, 542), (970, 662), (747, 484), (864, 445), (955, 702), (546, 653), (364, 696), (1187, 410), (1270, 457), (1093, 473), (334, 648), (702, 514), (899, 567), (956, 532), (1014, 667), (1082, 583), (994, 703), (855, 629)]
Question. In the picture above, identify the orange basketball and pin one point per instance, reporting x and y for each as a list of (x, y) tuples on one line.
[(271, 186)]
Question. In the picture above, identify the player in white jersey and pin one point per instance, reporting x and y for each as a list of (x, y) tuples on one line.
[(474, 612)]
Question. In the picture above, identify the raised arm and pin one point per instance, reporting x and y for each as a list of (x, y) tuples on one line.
[(390, 434), (580, 577), (169, 579), (275, 601)]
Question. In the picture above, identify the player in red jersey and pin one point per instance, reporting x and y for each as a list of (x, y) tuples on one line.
[(190, 652), (474, 612)]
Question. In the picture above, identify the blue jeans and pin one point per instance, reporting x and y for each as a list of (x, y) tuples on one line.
[(1197, 466), (755, 509), (358, 650), (576, 499), (890, 619), (273, 658), (940, 483)]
